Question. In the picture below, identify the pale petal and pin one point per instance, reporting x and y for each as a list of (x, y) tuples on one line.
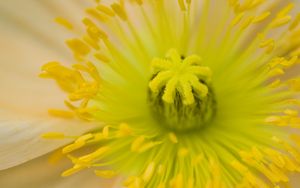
[(39, 173), (25, 98), (21, 136), (34, 19)]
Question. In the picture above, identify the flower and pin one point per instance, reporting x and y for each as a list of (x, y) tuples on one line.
[(182, 100)]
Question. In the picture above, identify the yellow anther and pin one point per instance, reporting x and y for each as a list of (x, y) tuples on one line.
[(257, 154), (276, 157), (190, 183), (183, 152), (232, 2), (182, 5), (91, 42), (102, 57), (255, 181), (283, 12), (276, 120), (243, 7), (53, 135), (247, 22), (106, 10), (295, 23), (247, 5), (161, 169), (173, 138), (129, 180), (146, 146), (140, 2), (295, 138), (261, 17), (275, 61), (197, 159), (294, 84), (269, 44), (238, 166), (98, 154), (93, 30), (280, 21), (124, 130), (149, 172), (64, 22), (161, 185), (105, 132), (95, 14), (292, 61), (290, 149), (85, 137), (78, 47), (237, 19), (72, 170), (247, 156), (275, 83), (266, 43), (119, 10), (137, 143), (133, 182), (179, 75), (291, 112), (177, 181), (105, 173), (97, 137), (291, 165), (61, 113), (214, 166), (276, 72), (73, 147)]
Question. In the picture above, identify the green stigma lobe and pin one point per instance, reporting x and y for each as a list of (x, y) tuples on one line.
[(179, 92)]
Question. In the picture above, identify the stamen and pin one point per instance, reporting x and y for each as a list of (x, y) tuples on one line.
[(78, 47), (61, 113), (120, 11), (106, 10), (173, 138), (64, 22), (183, 152), (149, 172), (53, 135)]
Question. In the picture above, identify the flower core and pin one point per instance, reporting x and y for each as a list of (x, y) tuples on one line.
[(200, 83), (180, 95)]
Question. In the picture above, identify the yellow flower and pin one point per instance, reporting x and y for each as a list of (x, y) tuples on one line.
[(183, 93)]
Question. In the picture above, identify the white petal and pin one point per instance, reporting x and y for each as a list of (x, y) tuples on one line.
[(39, 173), (21, 137), (25, 98), (35, 20)]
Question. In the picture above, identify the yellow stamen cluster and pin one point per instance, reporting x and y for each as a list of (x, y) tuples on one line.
[(78, 86)]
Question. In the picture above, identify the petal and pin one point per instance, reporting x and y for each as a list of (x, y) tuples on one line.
[(35, 20), (40, 173), (21, 136), (25, 98)]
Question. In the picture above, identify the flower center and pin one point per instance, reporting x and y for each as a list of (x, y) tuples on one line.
[(180, 94)]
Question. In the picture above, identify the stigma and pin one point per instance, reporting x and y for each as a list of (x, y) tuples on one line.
[(180, 92)]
